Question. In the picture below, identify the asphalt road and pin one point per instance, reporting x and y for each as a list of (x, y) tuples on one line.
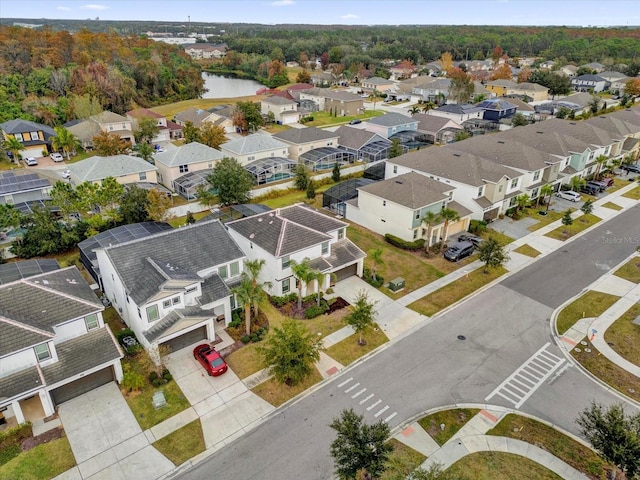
[(503, 327)]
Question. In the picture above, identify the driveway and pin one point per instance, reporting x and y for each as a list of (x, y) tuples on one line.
[(106, 440)]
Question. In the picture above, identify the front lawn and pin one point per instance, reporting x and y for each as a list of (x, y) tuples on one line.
[(45, 461), (402, 461), (176, 222), (527, 250), (453, 421), (323, 119), (612, 206), (618, 183), (451, 293), (630, 270), (348, 350), (499, 466), (183, 444), (500, 237), (590, 305), (277, 393), (543, 220), (634, 194), (579, 224), (565, 448), (624, 335)]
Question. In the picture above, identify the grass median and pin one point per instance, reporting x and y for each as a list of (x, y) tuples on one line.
[(633, 194), (183, 444), (457, 290), (624, 336), (499, 466), (527, 250), (348, 350), (453, 420), (590, 305), (579, 224), (630, 270), (277, 393), (612, 206)]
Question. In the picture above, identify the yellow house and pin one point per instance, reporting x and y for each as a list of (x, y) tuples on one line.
[(35, 137)]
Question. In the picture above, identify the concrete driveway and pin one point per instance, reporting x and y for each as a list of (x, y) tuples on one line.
[(106, 439)]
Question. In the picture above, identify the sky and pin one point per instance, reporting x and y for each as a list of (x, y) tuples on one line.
[(345, 12)]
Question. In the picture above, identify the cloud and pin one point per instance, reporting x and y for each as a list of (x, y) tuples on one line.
[(282, 3), (64, 9), (94, 6), (349, 16)]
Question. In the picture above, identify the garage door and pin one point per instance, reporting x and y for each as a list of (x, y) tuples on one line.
[(82, 385), (455, 227), (346, 272), (189, 338)]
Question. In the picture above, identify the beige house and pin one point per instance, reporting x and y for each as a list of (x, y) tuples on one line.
[(191, 157), (197, 116), (302, 140), (509, 87), (284, 111), (222, 115), (254, 147), (377, 83), (126, 169), (164, 133), (204, 51), (109, 122), (343, 103)]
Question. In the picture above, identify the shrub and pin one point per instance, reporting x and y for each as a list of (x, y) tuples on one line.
[(11, 439), (367, 274), (245, 339), (158, 382), (153, 376), (308, 298), (315, 310), (330, 291), (132, 381), (477, 226), (166, 374), (400, 243), (282, 301)]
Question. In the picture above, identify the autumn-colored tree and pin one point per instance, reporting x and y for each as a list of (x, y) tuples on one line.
[(632, 87), (324, 60), (446, 61), (159, 204), (239, 121), (496, 53), (212, 135), (303, 60), (106, 144), (407, 67), (304, 77), (462, 86), (503, 72), (524, 75), (275, 68)]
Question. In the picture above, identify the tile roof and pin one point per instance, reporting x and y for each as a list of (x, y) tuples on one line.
[(194, 248), (411, 190), (188, 154), (343, 252), (213, 288), (98, 168), (257, 142), (79, 354), (304, 135), (391, 120), (462, 211)]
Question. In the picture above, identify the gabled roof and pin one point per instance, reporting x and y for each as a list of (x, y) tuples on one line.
[(411, 190), (223, 111), (254, 143), (497, 104), (143, 112), (279, 233), (341, 95), (379, 81), (458, 108), (391, 120), (108, 117), (588, 78), (433, 123), (194, 248), (19, 125), (299, 136), (193, 115), (98, 168), (356, 138), (278, 100), (85, 130), (188, 154), (502, 82)]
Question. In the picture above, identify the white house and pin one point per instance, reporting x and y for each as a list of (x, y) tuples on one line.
[(586, 83), (254, 147), (295, 233), (55, 344), (390, 123), (284, 110), (190, 157), (172, 288), (457, 112), (124, 168)]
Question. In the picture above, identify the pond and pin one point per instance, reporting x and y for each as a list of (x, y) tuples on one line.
[(228, 87)]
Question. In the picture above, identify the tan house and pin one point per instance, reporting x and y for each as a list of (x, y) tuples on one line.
[(377, 83), (343, 103), (126, 169), (222, 115), (284, 111), (302, 140), (164, 132), (255, 147), (197, 116), (509, 87), (191, 157), (203, 51), (113, 123)]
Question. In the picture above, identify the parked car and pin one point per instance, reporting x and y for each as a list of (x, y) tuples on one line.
[(355, 121), (211, 360), (458, 251), (632, 168), (601, 186), (30, 161), (608, 181), (569, 195), (590, 189), (56, 157), (65, 174), (468, 237)]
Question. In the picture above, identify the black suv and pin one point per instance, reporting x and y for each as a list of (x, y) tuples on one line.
[(458, 251), (590, 189), (599, 185)]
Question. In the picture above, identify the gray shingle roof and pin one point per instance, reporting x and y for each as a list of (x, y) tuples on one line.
[(99, 168), (20, 382), (379, 81), (193, 115), (254, 143), (356, 138), (108, 117), (278, 100), (15, 336), (411, 190), (311, 218), (172, 271), (194, 248), (342, 96), (304, 135), (188, 154), (344, 252), (432, 123), (213, 288), (391, 120), (187, 316), (460, 109), (82, 353), (19, 125)]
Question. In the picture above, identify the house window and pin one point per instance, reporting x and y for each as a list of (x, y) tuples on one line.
[(34, 136), (166, 304), (232, 302), (514, 183), (591, 154), (42, 352), (152, 313), (18, 136), (512, 202), (143, 176), (183, 168), (325, 248), (176, 300), (384, 203), (395, 169), (286, 285), (417, 215), (286, 261), (222, 272), (500, 188), (341, 233), (91, 322), (480, 191), (415, 234), (191, 289), (535, 193), (235, 269), (536, 175)]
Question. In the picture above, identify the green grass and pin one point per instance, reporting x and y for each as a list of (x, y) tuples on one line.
[(630, 270), (278, 393), (499, 466), (579, 224), (402, 461), (111, 318), (183, 444), (618, 183), (500, 237), (179, 221), (590, 305), (543, 220), (612, 206), (634, 194), (565, 448), (42, 462), (292, 196), (451, 293), (624, 335), (323, 119), (170, 109), (348, 350), (453, 420), (527, 250)]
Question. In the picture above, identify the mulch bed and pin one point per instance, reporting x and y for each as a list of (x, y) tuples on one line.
[(32, 442)]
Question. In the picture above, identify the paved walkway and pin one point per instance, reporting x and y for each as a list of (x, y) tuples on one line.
[(472, 438)]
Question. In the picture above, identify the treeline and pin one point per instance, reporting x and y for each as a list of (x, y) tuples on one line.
[(48, 76)]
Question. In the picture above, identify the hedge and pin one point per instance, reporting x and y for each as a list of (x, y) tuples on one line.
[(400, 243), (315, 310)]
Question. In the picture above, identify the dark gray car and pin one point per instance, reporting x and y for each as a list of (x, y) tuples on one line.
[(459, 250)]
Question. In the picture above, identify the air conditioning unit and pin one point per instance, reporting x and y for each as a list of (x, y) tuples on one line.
[(396, 284)]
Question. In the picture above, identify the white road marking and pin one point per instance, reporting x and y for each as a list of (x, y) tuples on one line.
[(345, 382), (390, 417), (366, 399), (374, 405), (384, 409), (352, 387), (357, 394)]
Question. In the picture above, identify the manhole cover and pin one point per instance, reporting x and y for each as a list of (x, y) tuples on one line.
[(461, 337)]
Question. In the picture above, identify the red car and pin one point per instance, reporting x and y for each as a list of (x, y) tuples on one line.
[(211, 360)]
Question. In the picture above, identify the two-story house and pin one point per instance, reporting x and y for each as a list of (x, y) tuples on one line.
[(391, 123), (54, 344), (397, 206), (124, 168), (34, 137), (222, 115), (295, 233), (495, 109), (173, 288), (432, 89), (378, 84), (503, 87), (254, 147), (458, 112), (284, 110), (191, 157), (303, 140), (164, 132), (342, 103), (590, 83), (85, 130)]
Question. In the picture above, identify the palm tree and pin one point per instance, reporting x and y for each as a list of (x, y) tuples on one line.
[(448, 215), (545, 191), (601, 160), (413, 110), (245, 295), (252, 271), (304, 273), (430, 219), (426, 106), (375, 255), (374, 97), (15, 146), (522, 201), (319, 277), (65, 141), (576, 183)]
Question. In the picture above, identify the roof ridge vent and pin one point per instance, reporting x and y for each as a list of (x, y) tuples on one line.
[(456, 154), (501, 142)]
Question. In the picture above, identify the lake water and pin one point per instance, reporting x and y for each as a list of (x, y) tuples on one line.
[(226, 87)]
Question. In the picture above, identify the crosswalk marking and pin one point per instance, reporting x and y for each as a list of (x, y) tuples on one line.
[(522, 383), (386, 420), (366, 399), (345, 382), (352, 387), (371, 407), (384, 409), (357, 394)]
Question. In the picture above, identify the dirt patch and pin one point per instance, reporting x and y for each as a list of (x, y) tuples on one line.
[(339, 304), (32, 442)]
